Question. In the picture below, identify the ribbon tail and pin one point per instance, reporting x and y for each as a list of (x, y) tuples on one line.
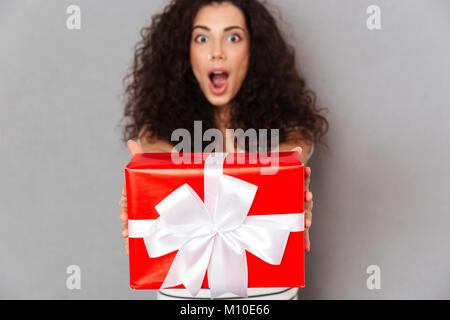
[(189, 266), (227, 269)]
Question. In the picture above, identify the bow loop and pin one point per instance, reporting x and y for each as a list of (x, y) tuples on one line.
[(183, 207), (234, 200), (264, 239), (183, 216)]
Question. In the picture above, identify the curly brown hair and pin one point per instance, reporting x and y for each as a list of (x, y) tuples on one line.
[(163, 94)]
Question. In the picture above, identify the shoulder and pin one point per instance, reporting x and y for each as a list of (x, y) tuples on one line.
[(151, 144)]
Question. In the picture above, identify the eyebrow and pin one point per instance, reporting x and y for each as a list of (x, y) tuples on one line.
[(226, 29)]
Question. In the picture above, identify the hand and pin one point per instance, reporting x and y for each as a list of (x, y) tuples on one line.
[(308, 203), (134, 148)]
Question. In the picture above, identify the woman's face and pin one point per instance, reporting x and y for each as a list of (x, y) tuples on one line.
[(220, 51)]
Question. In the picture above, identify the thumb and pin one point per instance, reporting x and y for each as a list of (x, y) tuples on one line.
[(134, 147), (298, 149)]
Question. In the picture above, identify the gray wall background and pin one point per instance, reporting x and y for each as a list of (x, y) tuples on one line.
[(381, 196)]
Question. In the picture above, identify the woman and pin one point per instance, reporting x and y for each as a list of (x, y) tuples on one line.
[(224, 63)]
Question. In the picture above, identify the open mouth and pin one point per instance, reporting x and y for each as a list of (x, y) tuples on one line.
[(219, 79)]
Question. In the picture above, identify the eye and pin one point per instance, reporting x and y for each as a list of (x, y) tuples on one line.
[(201, 38), (234, 38)]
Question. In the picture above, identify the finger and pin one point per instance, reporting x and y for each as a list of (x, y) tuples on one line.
[(123, 210), (125, 230), (124, 224), (307, 172), (124, 216), (127, 247), (124, 190), (308, 205), (308, 196), (298, 149), (134, 147), (308, 200), (123, 202), (307, 179), (307, 242), (308, 218)]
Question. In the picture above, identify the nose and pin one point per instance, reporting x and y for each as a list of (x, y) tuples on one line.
[(217, 52), (216, 56)]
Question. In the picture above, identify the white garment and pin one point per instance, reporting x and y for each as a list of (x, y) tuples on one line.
[(253, 294)]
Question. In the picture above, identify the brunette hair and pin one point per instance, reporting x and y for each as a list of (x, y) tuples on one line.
[(163, 94)]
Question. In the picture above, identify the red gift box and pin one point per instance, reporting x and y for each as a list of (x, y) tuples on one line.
[(152, 177)]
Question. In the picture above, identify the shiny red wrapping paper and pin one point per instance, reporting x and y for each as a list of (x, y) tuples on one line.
[(150, 177)]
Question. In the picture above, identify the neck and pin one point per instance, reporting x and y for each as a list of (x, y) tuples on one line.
[(222, 116)]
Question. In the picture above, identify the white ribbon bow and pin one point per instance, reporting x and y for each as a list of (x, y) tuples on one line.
[(214, 235)]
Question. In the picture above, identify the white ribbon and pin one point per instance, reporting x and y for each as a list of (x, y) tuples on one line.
[(213, 236)]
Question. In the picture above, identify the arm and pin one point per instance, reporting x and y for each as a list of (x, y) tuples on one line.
[(291, 145), (150, 145), (143, 145)]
